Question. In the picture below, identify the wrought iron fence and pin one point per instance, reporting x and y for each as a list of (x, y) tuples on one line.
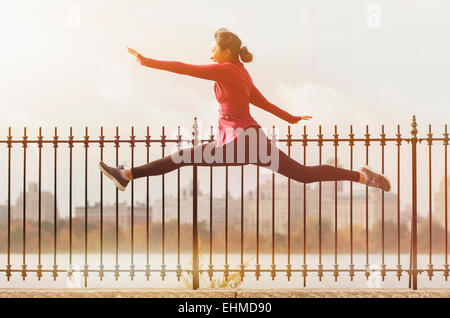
[(292, 267)]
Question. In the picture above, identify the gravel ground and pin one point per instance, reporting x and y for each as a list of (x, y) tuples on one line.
[(229, 293)]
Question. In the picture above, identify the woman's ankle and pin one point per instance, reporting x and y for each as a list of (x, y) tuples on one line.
[(128, 174), (362, 178)]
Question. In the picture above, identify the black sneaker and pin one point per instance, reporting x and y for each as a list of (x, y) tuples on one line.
[(374, 179), (114, 174)]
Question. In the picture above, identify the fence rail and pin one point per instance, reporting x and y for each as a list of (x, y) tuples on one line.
[(304, 269)]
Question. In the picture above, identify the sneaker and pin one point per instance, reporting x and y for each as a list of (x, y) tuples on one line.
[(374, 179), (115, 175)]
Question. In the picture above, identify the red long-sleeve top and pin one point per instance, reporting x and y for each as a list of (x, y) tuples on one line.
[(234, 91)]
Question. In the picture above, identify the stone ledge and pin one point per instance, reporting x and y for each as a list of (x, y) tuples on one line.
[(228, 293), (345, 293)]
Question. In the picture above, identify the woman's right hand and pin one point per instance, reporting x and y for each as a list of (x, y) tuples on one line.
[(139, 57), (296, 119)]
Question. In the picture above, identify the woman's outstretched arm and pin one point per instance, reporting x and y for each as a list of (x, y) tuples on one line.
[(213, 72), (257, 99)]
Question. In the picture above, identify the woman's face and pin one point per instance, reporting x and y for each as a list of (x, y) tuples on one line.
[(217, 55)]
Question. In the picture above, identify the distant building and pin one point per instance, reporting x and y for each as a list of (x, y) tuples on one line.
[(186, 205), (109, 213), (438, 213), (317, 197), (374, 207), (310, 204), (31, 206)]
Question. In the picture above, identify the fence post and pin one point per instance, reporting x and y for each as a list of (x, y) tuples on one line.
[(413, 250), (195, 280)]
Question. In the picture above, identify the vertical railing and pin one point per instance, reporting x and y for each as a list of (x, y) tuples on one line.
[(336, 265), (116, 266), (39, 266), (101, 265), (178, 210), (351, 265), (289, 266), (273, 266), (413, 269), (211, 266), (195, 261), (24, 265), (132, 145), (163, 208), (367, 144), (147, 199), (446, 269), (86, 146), (304, 265), (70, 144)]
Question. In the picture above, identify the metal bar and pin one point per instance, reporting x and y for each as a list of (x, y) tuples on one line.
[(445, 201), (195, 256), (399, 141), (242, 222), (24, 266), (351, 144), (163, 203), (414, 202), (147, 225), (383, 143), (116, 267), (8, 266), (40, 202), (335, 144), (210, 219), (80, 141), (273, 213), (305, 143), (132, 145), (430, 219), (257, 220), (178, 210), (70, 196), (289, 207), (210, 216), (86, 145), (226, 223), (367, 144), (55, 211), (102, 137), (320, 144), (268, 270)]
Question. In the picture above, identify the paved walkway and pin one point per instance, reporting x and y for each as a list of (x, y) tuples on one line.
[(227, 293)]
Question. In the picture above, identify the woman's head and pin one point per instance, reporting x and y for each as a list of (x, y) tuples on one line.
[(227, 46)]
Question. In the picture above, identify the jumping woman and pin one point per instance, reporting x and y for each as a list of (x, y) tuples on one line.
[(234, 90)]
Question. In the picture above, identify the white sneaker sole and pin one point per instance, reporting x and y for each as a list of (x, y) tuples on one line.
[(116, 183), (373, 171)]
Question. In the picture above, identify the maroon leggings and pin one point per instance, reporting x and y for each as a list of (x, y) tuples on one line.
[(279, 161)]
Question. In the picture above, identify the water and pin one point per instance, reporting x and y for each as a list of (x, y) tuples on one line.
[(265, 280)]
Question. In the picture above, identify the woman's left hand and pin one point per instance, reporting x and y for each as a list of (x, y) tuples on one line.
[(139, 57), (296, 119)]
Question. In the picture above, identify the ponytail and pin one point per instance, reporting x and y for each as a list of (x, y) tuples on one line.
[(245, 55)]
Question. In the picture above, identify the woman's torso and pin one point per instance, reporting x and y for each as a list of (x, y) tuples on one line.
[(234, 108)]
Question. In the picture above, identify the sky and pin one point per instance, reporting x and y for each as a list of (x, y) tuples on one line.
[(353, 62)]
